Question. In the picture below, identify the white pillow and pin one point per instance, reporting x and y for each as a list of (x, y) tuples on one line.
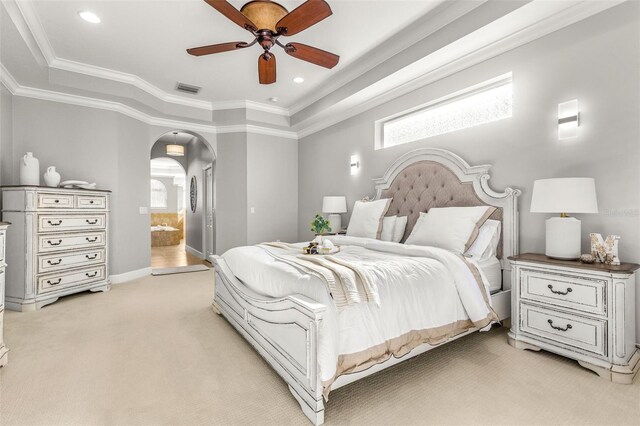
[(388, 228), (398, 230), (366, 218), (486, 245), (451, 228)]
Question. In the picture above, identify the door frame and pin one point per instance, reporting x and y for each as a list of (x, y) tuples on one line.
[(205, 191)]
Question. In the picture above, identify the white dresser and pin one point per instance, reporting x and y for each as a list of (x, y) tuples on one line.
[(59, 244), (4, 356), (584, 312)]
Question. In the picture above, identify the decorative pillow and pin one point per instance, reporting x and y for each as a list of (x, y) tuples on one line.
[(398, 230), (486, 245), (366, 218), (451, 228), (388, 228)]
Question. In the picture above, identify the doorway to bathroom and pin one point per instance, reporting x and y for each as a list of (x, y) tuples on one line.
[(181, 204)]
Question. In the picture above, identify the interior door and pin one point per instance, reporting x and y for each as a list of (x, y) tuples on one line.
[(209, 212)]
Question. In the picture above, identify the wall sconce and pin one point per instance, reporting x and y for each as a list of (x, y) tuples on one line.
[(355, 165), (568, 119)]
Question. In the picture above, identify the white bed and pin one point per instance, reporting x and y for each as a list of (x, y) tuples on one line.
[(424, 296)]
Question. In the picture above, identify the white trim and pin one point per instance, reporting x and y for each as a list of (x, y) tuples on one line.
[(128, 276), (193, 251), (527, 23), (26, 19), (35, 93)]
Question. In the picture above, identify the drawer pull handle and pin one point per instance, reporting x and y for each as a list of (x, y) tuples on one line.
[(54, 244), (569, 326), (91, 240), (92, 222), (55, 224), (56, 283), (564, 293), (56, 201), (91, 202), (91, 275), (91, 257), (54, 263)]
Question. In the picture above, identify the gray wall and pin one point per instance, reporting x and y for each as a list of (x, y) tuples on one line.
[(6, 134), (595, 61), (272, 189), (231, 187), (198, 156)]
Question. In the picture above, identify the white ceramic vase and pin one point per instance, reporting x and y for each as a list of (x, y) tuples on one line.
[(29, 170), (51, 177)]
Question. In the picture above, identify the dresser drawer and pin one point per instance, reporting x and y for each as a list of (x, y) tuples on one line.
[(588, 334), (53, 282), (570, 291), (57, 223), (48, 243), (55, 201), (91, 201), (55, 262)]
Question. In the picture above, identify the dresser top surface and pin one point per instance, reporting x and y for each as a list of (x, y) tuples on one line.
[(624, 268), (51, 188)]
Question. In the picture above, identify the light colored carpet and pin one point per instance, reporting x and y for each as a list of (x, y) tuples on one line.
[(179, 270), (151, 352)]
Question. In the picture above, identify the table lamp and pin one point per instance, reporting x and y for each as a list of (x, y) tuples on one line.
[(334, 206), (564, 195)]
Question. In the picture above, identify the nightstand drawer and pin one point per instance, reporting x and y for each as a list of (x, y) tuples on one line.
[(55, 201), (569, 291), (588, 334)]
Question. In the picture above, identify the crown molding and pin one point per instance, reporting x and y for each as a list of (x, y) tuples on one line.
[(26, 20), (48, 95), (537, 19)]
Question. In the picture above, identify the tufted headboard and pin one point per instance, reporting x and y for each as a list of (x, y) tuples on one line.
[(430, 177)]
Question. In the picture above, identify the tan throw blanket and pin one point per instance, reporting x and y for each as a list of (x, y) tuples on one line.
[(348, 282)]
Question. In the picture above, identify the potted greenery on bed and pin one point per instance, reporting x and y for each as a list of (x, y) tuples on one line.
[(319, 226)]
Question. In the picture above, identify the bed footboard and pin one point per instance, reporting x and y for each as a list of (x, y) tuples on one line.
[(284, 331)]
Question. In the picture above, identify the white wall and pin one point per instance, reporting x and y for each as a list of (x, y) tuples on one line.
[(595, 61)]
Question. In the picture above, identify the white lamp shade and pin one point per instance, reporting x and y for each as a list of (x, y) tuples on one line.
[(334, 204), (175, 150), (564, 195)]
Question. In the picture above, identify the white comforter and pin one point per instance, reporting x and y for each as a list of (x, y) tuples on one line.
[(420, 288)]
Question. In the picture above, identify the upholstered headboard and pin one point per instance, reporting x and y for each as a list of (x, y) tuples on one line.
[(430, 177)]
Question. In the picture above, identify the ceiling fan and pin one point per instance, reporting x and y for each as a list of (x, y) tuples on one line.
[(268, 21)]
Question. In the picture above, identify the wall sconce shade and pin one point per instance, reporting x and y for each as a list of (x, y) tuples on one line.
[(568, 119), (175, 150), (355, 165)]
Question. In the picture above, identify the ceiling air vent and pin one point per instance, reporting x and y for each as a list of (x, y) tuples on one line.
[(188, 88)]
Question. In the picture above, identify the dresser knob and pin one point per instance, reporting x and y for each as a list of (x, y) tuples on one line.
[(569, 326), (564, 293)]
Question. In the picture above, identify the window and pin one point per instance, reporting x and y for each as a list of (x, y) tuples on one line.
[(158, 195), (483, 103)]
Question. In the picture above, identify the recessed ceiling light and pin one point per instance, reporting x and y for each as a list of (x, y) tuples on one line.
[(273, 99), (89, 16), (298, 80)]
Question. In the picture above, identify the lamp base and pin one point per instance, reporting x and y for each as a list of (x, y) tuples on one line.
[(563, 238), (335, 222)]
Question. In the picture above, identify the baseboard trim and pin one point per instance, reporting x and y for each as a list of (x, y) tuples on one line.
[(193, 251), (131, 275)]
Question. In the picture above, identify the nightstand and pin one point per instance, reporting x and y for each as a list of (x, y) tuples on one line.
[(581, 311)]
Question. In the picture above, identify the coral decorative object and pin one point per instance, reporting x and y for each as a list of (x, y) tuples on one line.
[(605, 250), (29, 170), (51, 177)]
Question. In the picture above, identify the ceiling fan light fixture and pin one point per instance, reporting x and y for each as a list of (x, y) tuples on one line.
[(89, 16), (265, 14)]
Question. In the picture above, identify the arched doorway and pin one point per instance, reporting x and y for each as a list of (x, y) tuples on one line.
[(183, 238)]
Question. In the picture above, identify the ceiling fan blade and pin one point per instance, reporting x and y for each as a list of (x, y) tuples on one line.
[(267, 68), (307, 14), (312, 54), (232, 13), (216, 48)]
